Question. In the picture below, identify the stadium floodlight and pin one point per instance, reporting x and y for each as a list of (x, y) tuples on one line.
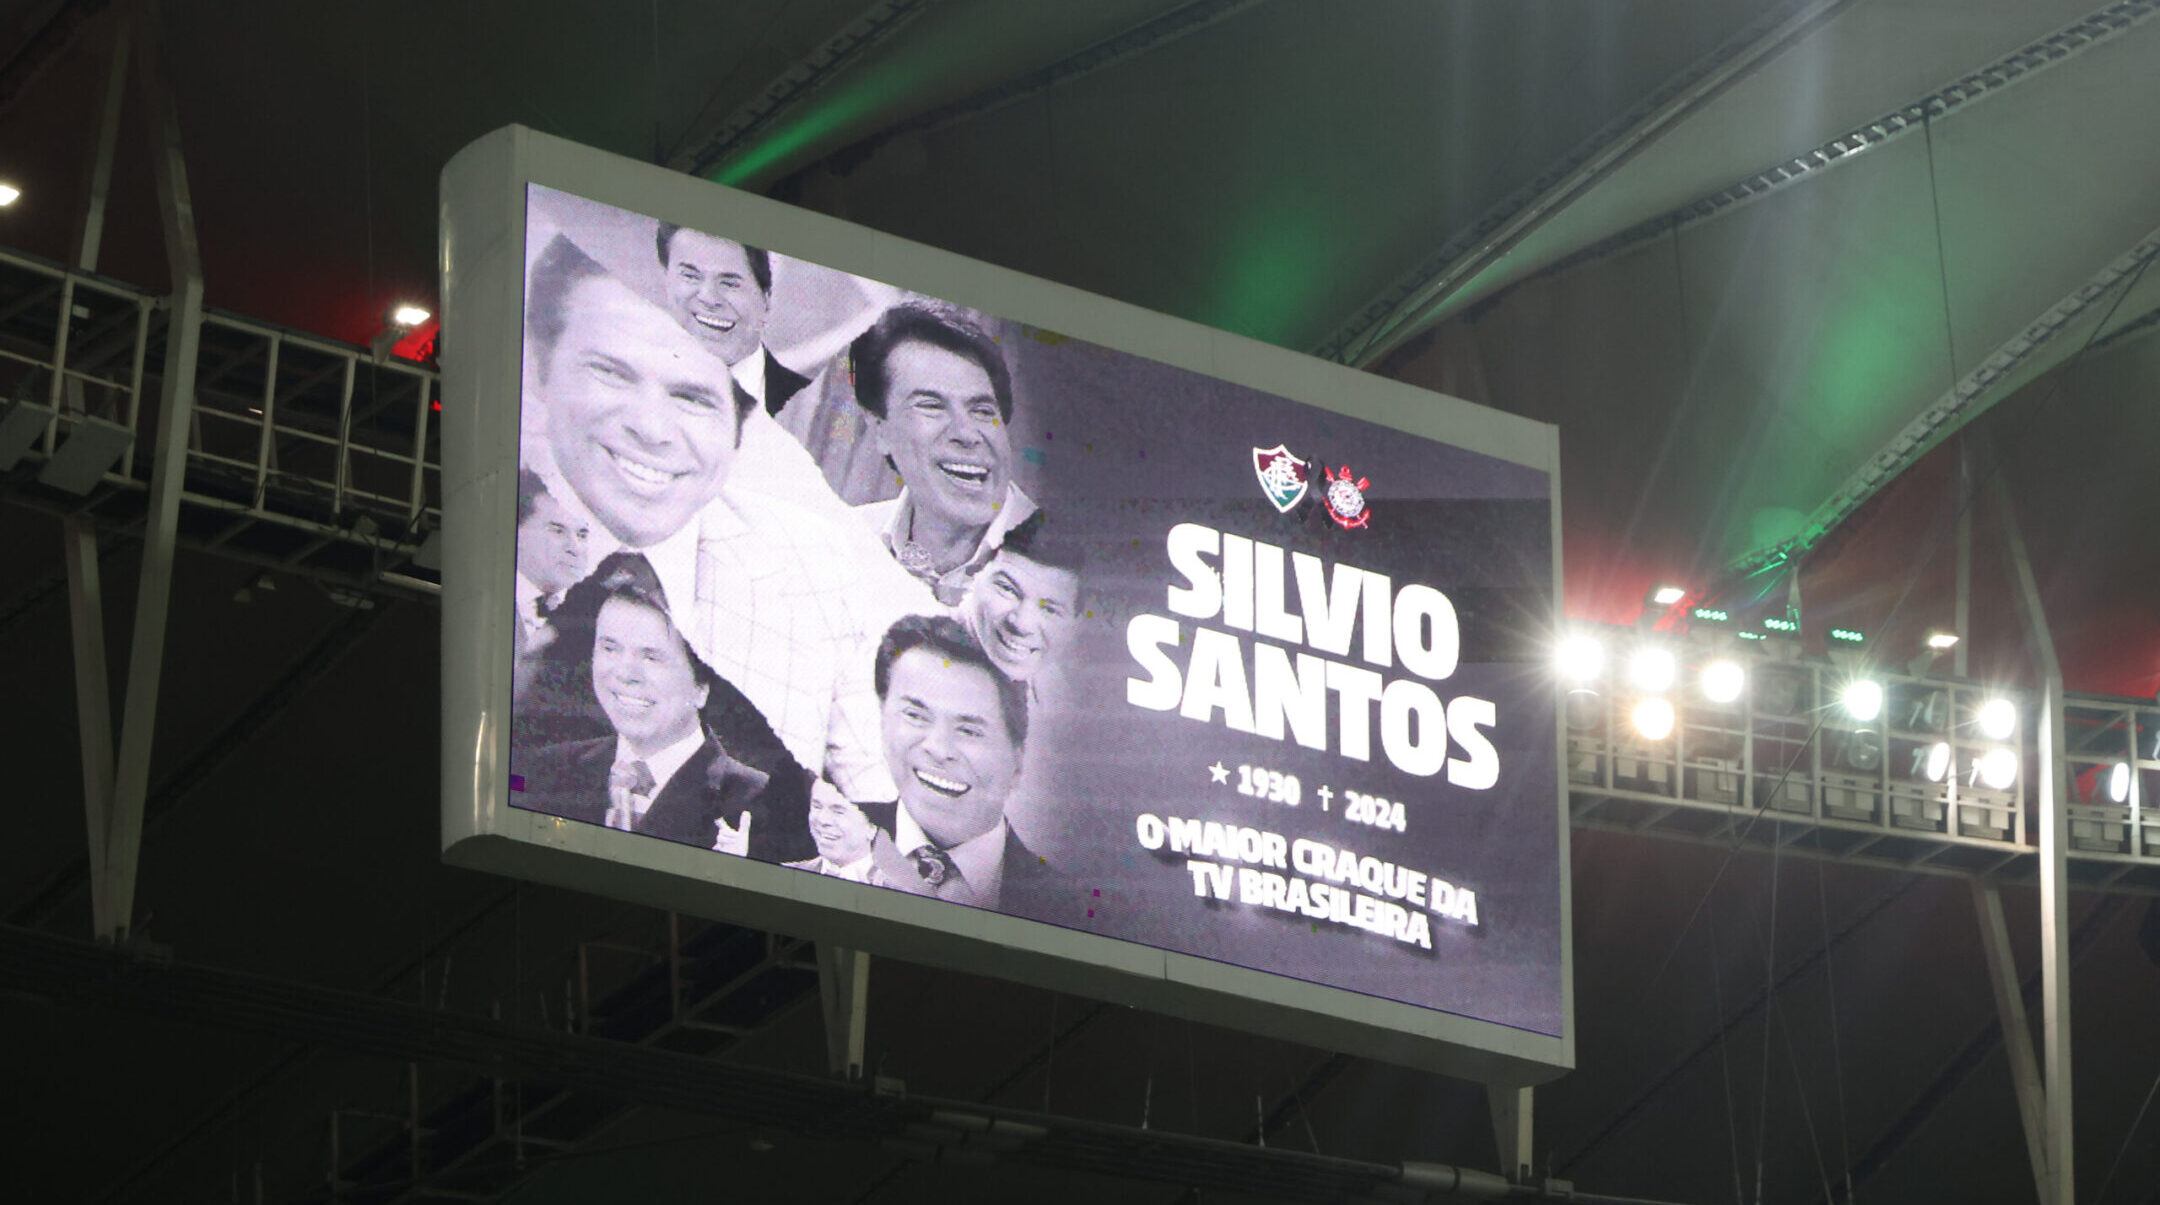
[(1581, 659), (1652, 669), (1863, 751), (1999, 768), (1933, 762), (9, 194), (1780, 624), (401, 321), (1751, 636), (1848, 636), (2118, 782), (1710, 614), (1722, 681), (1941, 641), (1653, 719), (1862, 699), (1665, 596), (1998, 719)]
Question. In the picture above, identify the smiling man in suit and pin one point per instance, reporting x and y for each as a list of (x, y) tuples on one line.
[(955, 732), (662, 773), (939, 398), (642, 426)]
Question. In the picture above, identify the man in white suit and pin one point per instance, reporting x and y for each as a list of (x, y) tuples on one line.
[(642, 425)]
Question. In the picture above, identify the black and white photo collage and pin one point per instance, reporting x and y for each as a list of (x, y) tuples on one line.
[(782, 589)]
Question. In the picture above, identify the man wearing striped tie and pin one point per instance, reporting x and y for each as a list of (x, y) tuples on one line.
[(661, 773)]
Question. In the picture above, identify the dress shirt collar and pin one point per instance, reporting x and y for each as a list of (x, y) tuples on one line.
[(673, 559), (663, 764), (979, 859), (674, 562), (951, 584), (750, 374), (528, 603), (857, 871)]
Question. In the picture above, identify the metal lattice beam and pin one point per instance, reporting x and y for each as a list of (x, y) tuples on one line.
[(1145, 38), (71, 973), (709, 143), (2056, 47), (1393, 316), (1963, 402)]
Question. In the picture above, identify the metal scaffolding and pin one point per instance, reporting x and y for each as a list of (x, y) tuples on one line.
[(1784, 766), (302, 454)]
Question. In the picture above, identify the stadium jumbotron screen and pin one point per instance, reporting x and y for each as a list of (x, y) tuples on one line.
[(813, 579)]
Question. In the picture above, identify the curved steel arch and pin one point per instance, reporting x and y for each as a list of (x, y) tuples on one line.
[(1960, 404), (1392, 317), (2016, 67)]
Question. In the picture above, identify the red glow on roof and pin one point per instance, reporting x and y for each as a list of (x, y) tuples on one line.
[(419, 342)]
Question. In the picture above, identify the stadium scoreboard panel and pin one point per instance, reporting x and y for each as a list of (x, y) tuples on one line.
[(805, 577)]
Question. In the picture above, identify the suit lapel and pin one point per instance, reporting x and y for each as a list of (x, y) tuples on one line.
[(683, 811), (585, 796), (781, 383)]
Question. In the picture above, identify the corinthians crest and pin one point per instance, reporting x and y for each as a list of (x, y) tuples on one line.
[(1282, 476), (1345, 498)]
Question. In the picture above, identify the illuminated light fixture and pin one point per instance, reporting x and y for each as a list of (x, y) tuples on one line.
[(9, 194), (397, 324), (2118, 782), (1942, 641), (1780, 624), (1998, 719), (1653, 719), (1666, 596), (1848, 635), (1998, 768), (1933, 762), (1652, 669), (1722, 681), (1710, 615), (1862, 699), (1751, 636), (1581, 659)]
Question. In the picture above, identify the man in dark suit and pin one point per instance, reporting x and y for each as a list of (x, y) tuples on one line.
[(955, 730), (662, 773), (721, 291)]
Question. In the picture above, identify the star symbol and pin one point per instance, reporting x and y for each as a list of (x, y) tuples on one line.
[(1220, 774)]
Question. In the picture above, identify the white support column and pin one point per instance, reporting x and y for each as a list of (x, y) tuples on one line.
[(1962, 619), (1511, 1115), (844, 991), (86, 599), (114, 882), (93, 693), (93, 229), (2054, 795), (2017, 1036)]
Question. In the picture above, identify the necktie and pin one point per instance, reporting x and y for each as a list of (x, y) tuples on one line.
[(628, 782), (933, 865)]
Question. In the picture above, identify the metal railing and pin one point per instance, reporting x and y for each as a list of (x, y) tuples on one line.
[(330, 452), (1787, 764)]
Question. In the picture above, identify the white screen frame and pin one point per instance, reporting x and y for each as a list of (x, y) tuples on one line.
[(483, 218)]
